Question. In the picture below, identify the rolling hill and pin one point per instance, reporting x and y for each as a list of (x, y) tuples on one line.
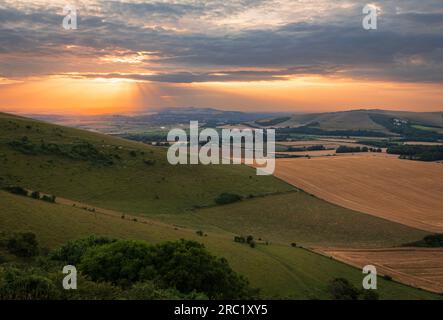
[(364, 120), (161, 202), (279, 270)]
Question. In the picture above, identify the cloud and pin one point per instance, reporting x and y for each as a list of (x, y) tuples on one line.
[(241, 40)]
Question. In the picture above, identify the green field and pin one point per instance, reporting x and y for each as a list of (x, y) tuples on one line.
[(113, 174), (279, 270), (301, 218), (129, 184)]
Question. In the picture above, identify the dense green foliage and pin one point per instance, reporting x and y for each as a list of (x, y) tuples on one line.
[(184, 265), (342, 289), (22, 244), (17, 190), (347, 149), (72, 251), (433, 241), (284, 133), (378, 143), (405, 128), (308, 148), (111, 269), (418, 152)]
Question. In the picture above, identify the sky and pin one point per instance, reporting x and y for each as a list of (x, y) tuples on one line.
[(135, 56)]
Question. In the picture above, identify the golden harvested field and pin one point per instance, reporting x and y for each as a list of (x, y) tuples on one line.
[(404, 191), (417, 267)]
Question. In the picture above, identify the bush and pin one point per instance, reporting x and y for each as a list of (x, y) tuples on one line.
[(49, 198), (184, 265), (149, 291), (72, 252), (24, 285), (342, 289), (35, 195), (199, 233), (432, 241), (226, 198), (369, 295), (239, 239), (17, 190), (387, 277), (23, 244)]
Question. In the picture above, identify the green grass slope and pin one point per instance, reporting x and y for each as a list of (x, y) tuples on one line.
[(304, 219), (114, 173), (361, 120), (280, 271)]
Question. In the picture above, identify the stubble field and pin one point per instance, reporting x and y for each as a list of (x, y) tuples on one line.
[(407, 192)]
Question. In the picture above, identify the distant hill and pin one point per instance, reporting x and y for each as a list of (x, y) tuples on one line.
[(427, 126), (361, 119)]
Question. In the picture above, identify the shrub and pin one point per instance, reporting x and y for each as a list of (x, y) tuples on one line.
[(369, 295), (342, 289), (293, 244), (249, 239), (23, 285), (184, 265), (35, 195), (72, 252), (432, 241), (239, 239), (23, 244), (17, 190), (49, 198), (226, 198), (199, 233), (149, 291), (387, 277)]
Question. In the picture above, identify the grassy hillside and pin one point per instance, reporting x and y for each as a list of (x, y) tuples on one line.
[(114, 173), (131, 177), (363, 120), (280, 270), (301, 218)]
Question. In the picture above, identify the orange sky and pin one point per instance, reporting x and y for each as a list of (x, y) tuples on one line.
[(303, 94), (274, 55)]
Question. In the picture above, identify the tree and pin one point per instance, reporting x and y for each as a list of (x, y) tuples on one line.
[(16, 284), (72, 252), (23, 244), (35, 195), (184, 265), (342, 289)]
